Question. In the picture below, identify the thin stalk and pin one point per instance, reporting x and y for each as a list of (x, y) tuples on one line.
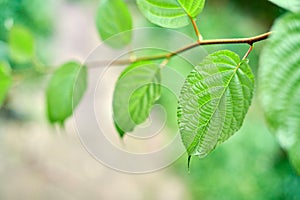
[(248, 52), (250, 41), (198, 34)]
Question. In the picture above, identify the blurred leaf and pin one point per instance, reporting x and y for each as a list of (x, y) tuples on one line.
[(21, 44), (3, 51), (170, 13), (214, 101), (5, 81), (292, 5), (136, 91), (113, 18), (280, 81), (37, 15), (65, 91), (294, 155)]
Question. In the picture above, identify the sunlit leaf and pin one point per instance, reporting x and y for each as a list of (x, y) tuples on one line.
[(65, 90), (279, 78), (21, 44), (136, 91), (292, 5), (5, 81), (113, 17), (214, 101), (170, 13)]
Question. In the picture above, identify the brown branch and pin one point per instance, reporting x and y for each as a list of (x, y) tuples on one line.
[(250, 41)]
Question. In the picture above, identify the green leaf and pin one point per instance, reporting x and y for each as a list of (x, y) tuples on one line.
[(21, 44), (279, 78), (292, 5), (65, 91), (5, 81), (170, 13), (214, 101), (136, 91), (4, 54), (114, 19), (294, 155)]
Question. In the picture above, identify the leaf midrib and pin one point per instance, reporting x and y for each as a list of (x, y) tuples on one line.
[(218, 103)]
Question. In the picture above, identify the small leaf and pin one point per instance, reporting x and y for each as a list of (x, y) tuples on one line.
[(170, 13), (65, 91), (291, 5), (113, 17), (136, 91), (21, 44), (279, 78), (5, 81), (214, 101)]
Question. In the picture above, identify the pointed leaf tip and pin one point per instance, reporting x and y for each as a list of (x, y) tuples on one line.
[(189, 162), (119, 130)]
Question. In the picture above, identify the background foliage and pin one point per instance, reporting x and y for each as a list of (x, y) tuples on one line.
[(250, 166)]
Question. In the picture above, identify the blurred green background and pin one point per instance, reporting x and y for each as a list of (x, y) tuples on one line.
[(38, 161)]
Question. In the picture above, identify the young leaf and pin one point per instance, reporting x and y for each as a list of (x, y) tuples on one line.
[(170, 13), (5, 81), (279, 78), (65, 90), (113, 17), (21, 44), (214, 101), (135, 93), (292, 5)]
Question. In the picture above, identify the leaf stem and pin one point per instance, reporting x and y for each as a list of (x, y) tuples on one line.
[(250, 41), (164, 62), (248, 52), (198, 34)]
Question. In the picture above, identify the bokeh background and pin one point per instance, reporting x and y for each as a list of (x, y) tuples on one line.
[(40, 161)]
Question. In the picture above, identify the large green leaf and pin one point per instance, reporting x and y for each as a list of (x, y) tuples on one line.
[(279, 78), (5, 81), (21, 44), (136, 90), (214, 101), (170, 13), (292, 5), (65, 90), (113, 18)]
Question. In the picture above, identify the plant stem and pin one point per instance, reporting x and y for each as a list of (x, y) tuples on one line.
[(164, 62), (248, 52), (250, 41), (198, 34)]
